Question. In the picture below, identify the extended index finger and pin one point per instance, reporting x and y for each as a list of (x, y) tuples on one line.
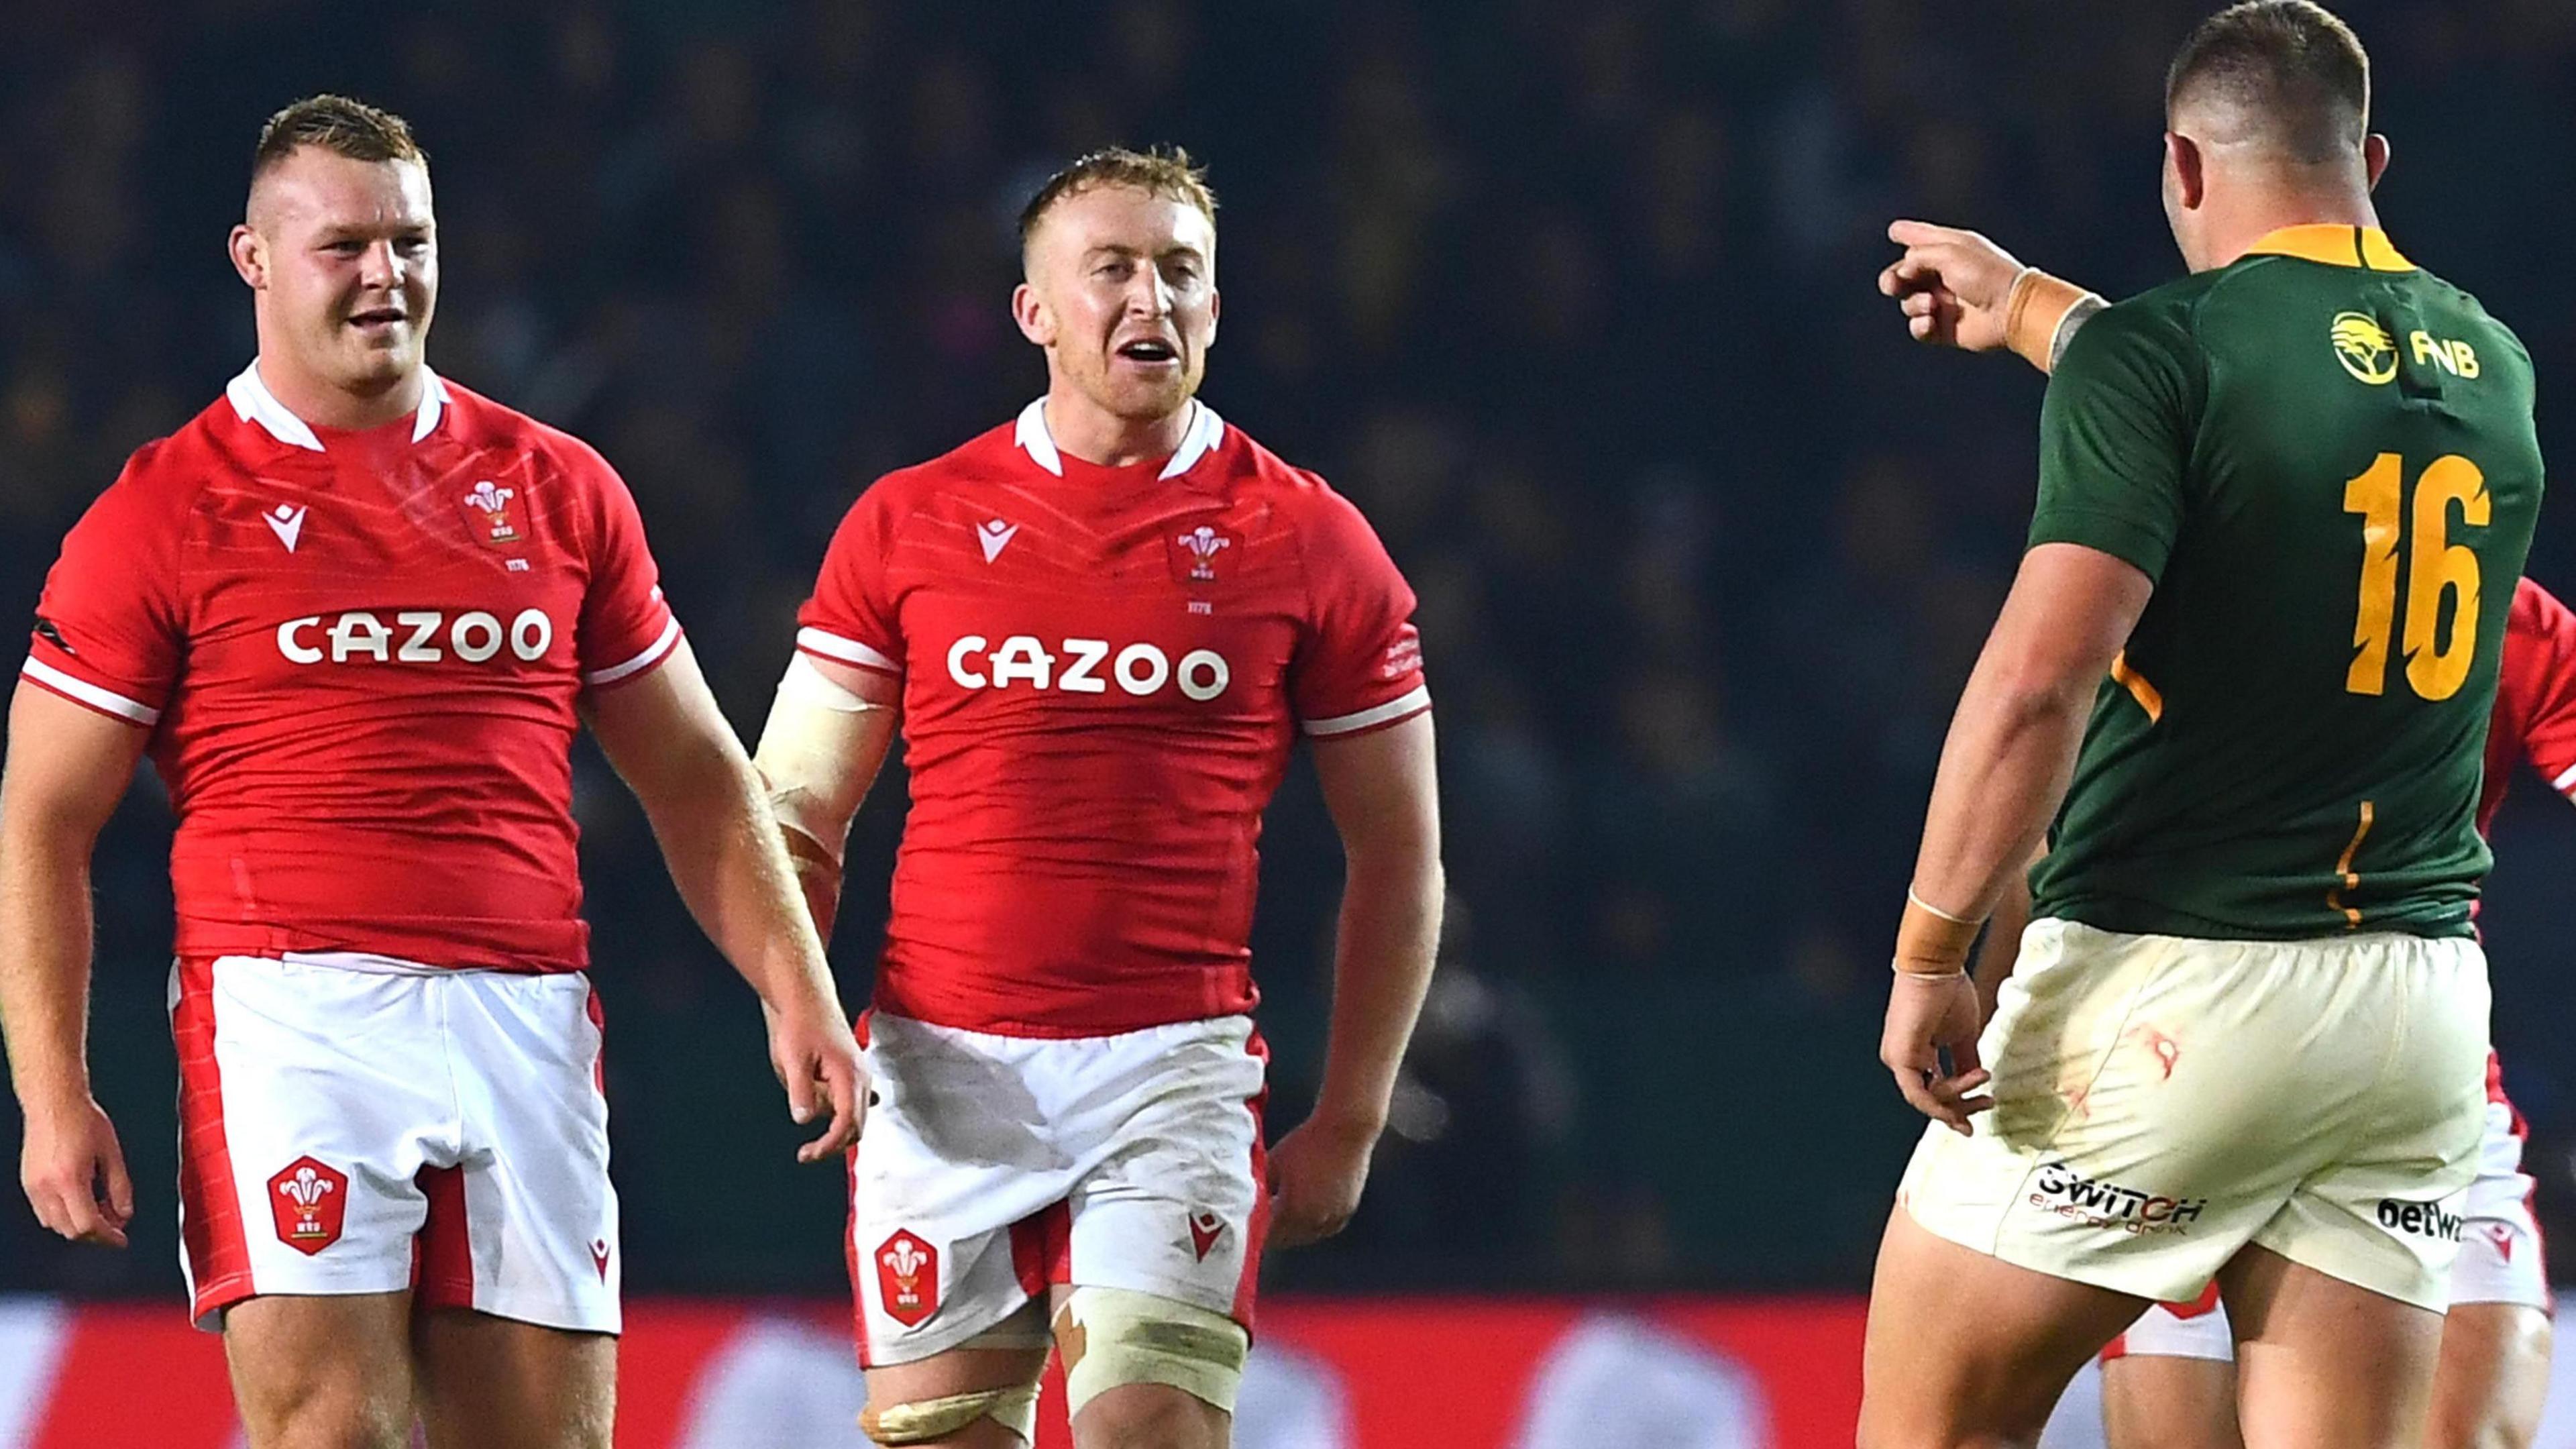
[(1907, 233)]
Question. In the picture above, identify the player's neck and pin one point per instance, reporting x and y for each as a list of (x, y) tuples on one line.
[(324, 405), (1085, 430), (2257, 217)]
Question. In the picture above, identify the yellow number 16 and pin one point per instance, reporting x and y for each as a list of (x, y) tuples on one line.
[(2434, 668)]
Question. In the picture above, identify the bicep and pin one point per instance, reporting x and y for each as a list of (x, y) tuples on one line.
[(68, 765), (1382, 787), (660, 728), (2071, 610)]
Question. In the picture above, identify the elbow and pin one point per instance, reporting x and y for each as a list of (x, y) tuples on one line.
[(2038, 695)]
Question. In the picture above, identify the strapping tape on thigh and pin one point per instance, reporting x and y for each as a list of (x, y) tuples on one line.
[(1115, 1336), (1014, 1408)]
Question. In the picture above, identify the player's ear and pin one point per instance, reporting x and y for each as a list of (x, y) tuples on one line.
[(1216, 308), (2374, 158), (249, 254), (2187, 180), (1036, 323)]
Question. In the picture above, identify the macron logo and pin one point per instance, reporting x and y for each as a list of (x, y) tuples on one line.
[(287, 523), (993, 534)]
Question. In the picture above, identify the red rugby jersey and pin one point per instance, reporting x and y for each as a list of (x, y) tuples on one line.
[(1103, 671), (2535, 710), (359, 655)]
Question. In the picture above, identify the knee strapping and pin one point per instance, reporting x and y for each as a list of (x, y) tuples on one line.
[(1014, 1408), (1115, 1336)]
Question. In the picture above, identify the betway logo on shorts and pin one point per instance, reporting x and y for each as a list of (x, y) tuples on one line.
[(415, 636), (1085, 666), (2070, 1194), (2423, 1219)]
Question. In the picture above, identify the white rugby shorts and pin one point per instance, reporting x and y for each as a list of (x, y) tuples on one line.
[(995, 1167), (2161, 1102), (369, 1126), (2500, 1260)]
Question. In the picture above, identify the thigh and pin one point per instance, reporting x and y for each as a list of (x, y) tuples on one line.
[(2492, 1378), (490, 1383), (2166, 1401), (1963, 1348), (962, 1398), (2321, 1360), (524, 1226), (302, 1136), (322, 1370)]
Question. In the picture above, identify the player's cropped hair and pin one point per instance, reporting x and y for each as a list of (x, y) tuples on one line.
[(1167, 172), (2290, 68), (338, 124)]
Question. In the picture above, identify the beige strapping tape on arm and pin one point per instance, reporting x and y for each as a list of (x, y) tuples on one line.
[(809, 754)]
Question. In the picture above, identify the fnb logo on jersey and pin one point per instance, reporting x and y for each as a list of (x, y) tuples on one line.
[(976, 662), (2423, 1219), (416, 636), (2070, 1194)]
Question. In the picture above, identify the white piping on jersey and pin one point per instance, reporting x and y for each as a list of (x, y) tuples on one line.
[(645, 660), (254, 403), (847, 651), (2565, 779), (1200, 438), (90, 694), (1412, 701)]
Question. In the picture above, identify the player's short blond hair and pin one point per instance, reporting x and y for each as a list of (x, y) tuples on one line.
[(1167, 172), (337, 124)]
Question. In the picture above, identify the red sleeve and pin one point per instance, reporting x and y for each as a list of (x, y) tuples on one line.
[(851, 618), (110, 631), (1360, 666), (2540, 652), (626, 626)]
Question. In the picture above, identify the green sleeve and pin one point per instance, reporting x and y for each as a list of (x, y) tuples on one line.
[(2115, 438)]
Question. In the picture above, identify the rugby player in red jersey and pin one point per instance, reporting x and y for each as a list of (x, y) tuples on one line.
[(355, 613), (1101, 628), (2169, 1382)]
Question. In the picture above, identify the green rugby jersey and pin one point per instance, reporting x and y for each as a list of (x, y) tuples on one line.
[(2325, 459)]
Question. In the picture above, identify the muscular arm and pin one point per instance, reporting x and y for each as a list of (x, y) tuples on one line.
[(2012, 744), (2001, 948), (674, 749), (826, 739), (1383, 794), (67, 768)]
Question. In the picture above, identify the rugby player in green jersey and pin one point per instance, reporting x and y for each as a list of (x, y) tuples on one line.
[(2245, 670), (2169, 1381)]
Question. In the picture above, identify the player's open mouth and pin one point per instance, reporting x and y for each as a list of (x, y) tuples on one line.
[(1149, 349), (380, 317)]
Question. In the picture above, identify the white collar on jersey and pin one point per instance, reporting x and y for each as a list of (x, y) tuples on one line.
[(1205, 431), (254, 403)]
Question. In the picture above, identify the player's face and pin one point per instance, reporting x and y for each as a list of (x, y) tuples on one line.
[(346, 262), (1122, 295)]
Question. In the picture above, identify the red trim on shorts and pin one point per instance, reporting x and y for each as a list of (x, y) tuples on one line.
[(1257, 1231), (218, 1253), (442, 1256), (2116, 1348), (850, 1256), (1042, 1249)]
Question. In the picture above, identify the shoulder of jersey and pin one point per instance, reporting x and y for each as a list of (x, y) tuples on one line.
[(473, 420), (2538, 611)]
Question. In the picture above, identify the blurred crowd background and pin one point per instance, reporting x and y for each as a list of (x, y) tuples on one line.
[(1574, 299)]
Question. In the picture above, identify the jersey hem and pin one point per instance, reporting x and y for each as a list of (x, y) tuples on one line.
[(654, 653), (1405, 706), (94, 697), (841, 649)]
